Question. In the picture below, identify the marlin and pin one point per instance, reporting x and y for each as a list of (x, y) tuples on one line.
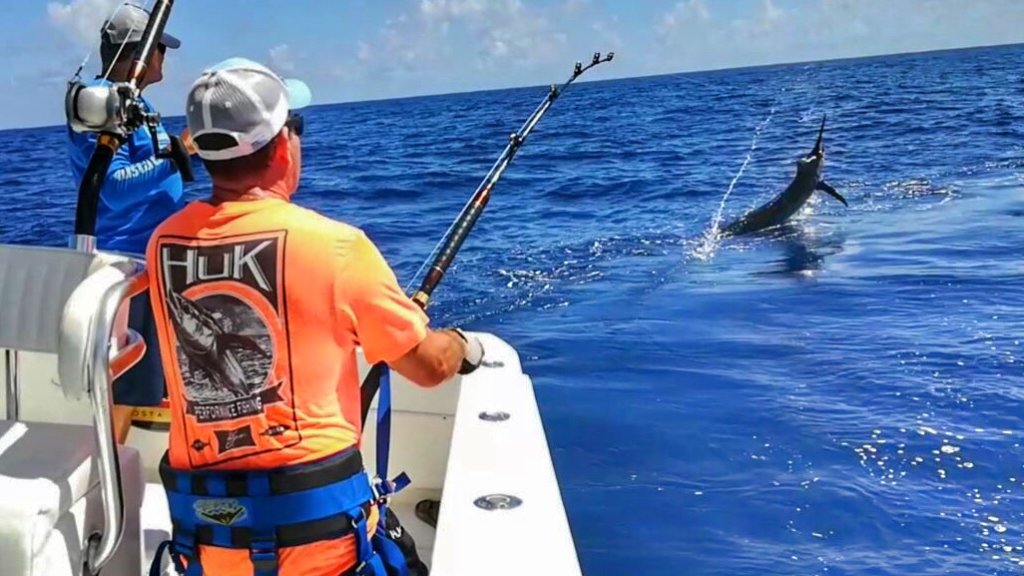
[(779, 209), (208, 345)]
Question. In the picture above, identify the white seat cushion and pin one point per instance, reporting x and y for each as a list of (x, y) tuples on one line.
[(156, 525), (50, 500)]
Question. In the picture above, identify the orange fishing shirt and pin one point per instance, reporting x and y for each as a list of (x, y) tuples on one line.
[(260, 306)]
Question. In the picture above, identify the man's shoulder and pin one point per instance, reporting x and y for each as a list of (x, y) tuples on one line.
[(319, 236), (181, 222), (304, 226), (311, 221)]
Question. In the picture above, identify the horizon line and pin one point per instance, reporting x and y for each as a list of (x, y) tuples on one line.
[(690, 72), (618, 79)]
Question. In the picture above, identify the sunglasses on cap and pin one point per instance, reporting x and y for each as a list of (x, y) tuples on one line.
[(295, 123)]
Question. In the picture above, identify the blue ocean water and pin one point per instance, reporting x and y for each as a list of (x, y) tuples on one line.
[(842, 396)]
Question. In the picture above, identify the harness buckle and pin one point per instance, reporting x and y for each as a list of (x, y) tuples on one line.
[(382, 491), (263, 555)]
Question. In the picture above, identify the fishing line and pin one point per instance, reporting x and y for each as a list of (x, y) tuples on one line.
[(710, 238), (444, 252), (120, 49), (106, 74)]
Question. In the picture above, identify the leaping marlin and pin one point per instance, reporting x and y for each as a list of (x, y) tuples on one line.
[(206, 344), (779, 209)]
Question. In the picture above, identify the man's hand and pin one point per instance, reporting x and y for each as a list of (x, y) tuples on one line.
[(474, 352)]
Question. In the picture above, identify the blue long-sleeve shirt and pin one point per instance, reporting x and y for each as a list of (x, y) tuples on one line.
[(139, 192)]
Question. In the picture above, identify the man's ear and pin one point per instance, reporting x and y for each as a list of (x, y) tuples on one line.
[(281, 155)]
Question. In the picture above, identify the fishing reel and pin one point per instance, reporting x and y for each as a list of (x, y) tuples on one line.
[(113, 108), (116, 108)]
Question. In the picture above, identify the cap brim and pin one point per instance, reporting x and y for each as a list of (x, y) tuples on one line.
[(299, 95), (170, 41)]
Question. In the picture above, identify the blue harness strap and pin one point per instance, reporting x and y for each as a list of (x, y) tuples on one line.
[(388, 551), (265, 510), (384, 488), (259, 513), (384, 424)]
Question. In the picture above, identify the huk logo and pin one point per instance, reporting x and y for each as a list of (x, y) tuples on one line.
[(223, 512), (236, 262)]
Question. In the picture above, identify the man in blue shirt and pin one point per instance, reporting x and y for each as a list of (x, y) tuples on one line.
[(139, 192)]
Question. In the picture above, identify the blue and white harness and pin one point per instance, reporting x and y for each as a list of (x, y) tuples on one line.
[(263, 511)]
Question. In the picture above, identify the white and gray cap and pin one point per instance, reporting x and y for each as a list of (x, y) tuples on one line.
[(126, 26), (238, 106)]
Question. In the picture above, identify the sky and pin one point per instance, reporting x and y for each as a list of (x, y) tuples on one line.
[(350, 50)]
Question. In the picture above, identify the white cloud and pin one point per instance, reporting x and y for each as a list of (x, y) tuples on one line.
[(684, 15), (693, 35), (437, 46), (576, 6), (281, 59), (365, 52), (505, 31), (453, 45), (610, 39), (881, 26), (80, 20)]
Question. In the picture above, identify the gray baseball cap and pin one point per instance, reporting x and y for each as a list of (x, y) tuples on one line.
[(127, 25)]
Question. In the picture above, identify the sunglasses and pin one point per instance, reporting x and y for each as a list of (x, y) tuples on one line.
[(295, 123)]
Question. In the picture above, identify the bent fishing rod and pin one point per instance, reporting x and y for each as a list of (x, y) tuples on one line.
[(460, 229), (116, 112)]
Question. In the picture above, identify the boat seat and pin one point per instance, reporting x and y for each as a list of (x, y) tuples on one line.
[(69, 498), (35, 285), (50, 501), (155, 523)]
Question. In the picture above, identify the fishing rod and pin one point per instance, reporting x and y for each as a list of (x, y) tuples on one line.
[(116, 111), (459, 230)]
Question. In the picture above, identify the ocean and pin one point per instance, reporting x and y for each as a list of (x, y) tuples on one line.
[(839, 396)]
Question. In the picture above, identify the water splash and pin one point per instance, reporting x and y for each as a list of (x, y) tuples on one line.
[(709, 242)]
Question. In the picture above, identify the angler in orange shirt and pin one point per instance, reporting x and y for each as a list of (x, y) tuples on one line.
[(260, 305)]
